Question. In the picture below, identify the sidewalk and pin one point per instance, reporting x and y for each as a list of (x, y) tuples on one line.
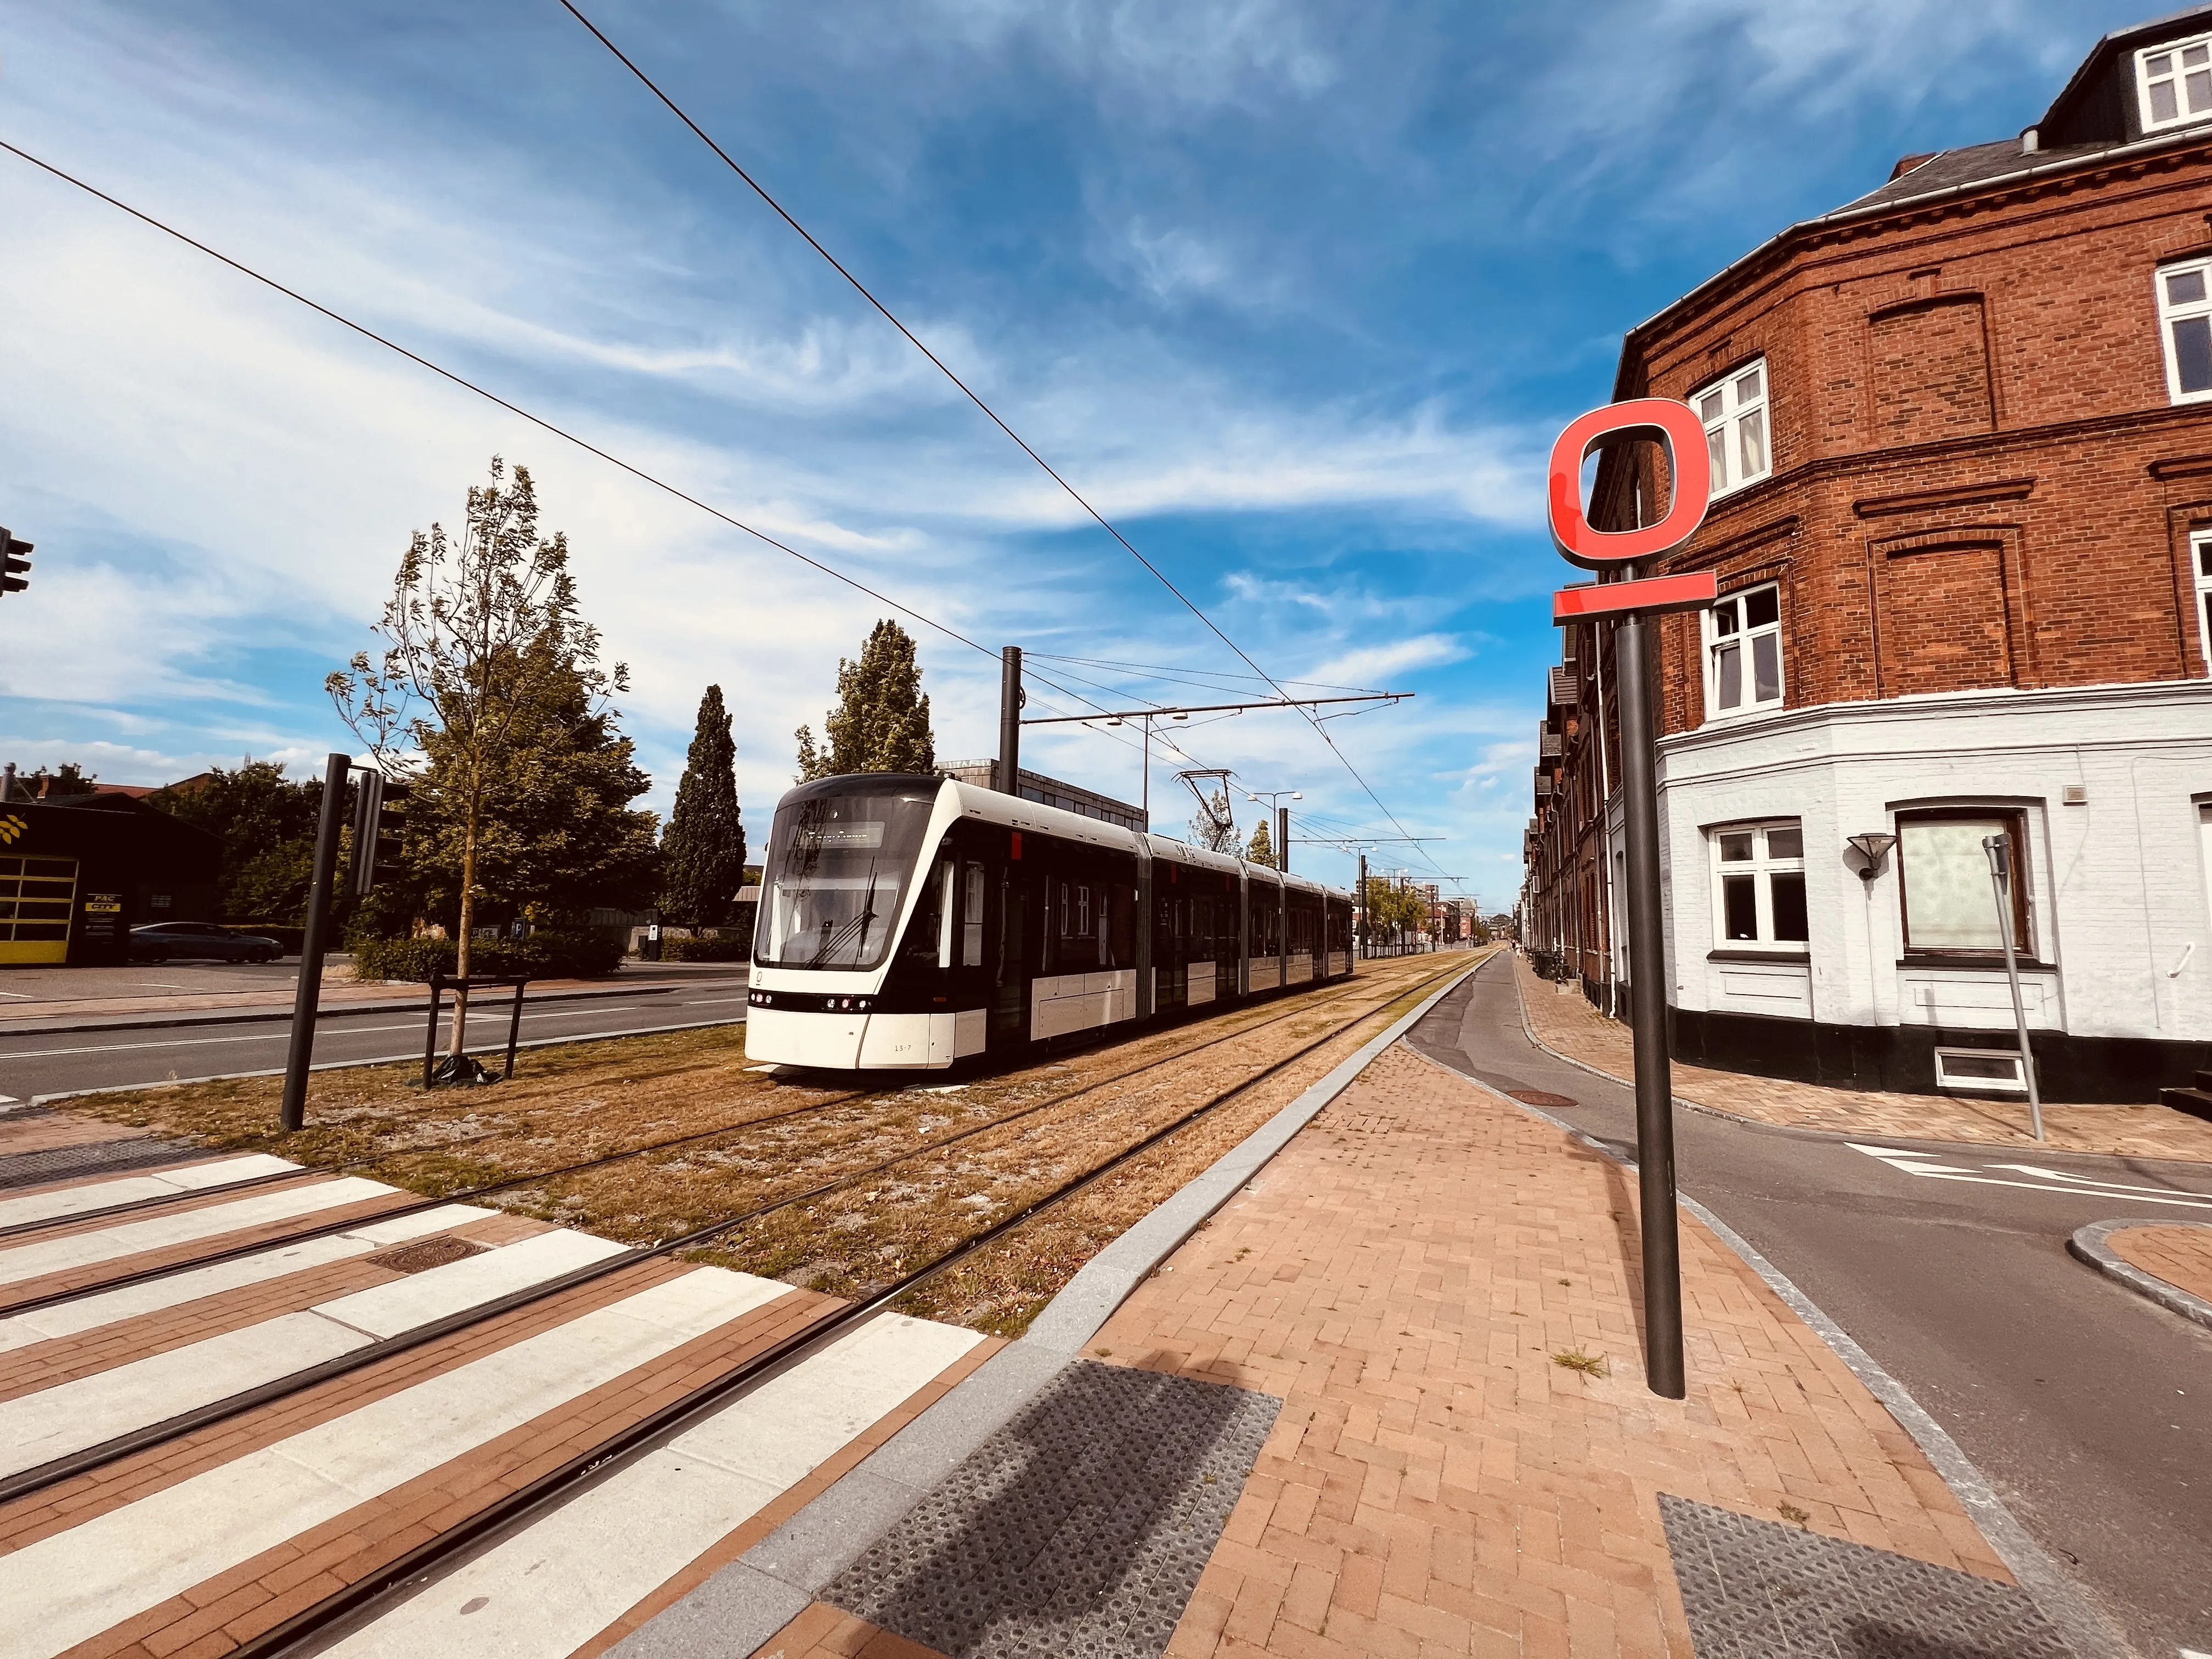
[(1567, 1023), (1409, 1276)]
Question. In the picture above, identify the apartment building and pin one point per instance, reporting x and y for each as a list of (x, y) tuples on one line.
[(1961, 440)]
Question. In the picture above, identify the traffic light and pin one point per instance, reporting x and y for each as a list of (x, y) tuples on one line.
[(15, 564), (379, 813)]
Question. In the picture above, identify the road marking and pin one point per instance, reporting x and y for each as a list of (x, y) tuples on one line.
[(130, 1189), (72, 1585), (703, 1002), (89, 1312), (129, 1238), (551, 1587), (323, 1028), (1918, 1163), (35, 1428)]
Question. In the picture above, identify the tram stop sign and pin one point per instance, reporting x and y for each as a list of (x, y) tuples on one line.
[(1675, 426)]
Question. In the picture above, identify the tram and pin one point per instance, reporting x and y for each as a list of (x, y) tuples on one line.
[(907, 922)]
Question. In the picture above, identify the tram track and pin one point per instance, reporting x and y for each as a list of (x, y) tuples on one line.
[(89, 1461), (390, 1583)]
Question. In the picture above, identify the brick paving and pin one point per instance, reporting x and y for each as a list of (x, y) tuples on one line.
[(826, 1632), (2180, 1253), (1402, 1276), (1566, 1021), (40, 1129)]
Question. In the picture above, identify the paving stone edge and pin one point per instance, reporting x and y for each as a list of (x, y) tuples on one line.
[(756, 1595), (2088, 1245), (2085, 1629)]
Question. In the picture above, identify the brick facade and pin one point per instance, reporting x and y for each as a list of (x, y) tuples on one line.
[(1979, 481)]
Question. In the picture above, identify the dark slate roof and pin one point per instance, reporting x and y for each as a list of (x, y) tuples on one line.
[(1972, 164)]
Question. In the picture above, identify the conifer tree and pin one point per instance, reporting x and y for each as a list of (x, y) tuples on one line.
[(881, 723), (1262, 848), (703, 848)]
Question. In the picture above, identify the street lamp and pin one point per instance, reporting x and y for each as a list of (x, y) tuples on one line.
[(1871, 849)]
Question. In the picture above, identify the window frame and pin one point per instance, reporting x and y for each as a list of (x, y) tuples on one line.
[(1744, 635), (2200, 574), (1762, 867), (2181, 117), (1728, 477), (2023, 936), (2171, 312)]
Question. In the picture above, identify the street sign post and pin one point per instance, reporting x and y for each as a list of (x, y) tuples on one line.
[(1618, 553), (2000, 855)]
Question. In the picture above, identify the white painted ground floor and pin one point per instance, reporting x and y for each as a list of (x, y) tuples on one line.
[(1791, 949)]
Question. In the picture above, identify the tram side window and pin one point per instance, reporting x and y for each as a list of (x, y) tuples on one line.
[(926, 938), (971, 917)]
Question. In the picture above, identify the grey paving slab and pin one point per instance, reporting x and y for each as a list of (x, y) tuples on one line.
[(1755, 1589), (1079, 1527), (726, 1618)]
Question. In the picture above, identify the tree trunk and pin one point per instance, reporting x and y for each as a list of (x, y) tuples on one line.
[(468, 927)]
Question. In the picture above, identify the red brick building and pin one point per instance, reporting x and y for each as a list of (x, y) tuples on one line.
[(1961, 431)]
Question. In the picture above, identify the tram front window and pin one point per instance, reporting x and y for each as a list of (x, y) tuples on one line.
[(838, 869)]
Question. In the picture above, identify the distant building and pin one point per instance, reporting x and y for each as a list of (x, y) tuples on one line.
[(1961, 440), (1051, 792), (76, 875)]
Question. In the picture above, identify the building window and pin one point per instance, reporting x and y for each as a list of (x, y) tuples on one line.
[(2184, 310), (1758, 884), (1733, 411), (1989, 1070), (2200, 553), (1949, 902), (2175, 83), (1743, 652)]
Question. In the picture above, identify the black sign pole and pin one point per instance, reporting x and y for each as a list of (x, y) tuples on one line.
[(308, 998), (1647, 975)]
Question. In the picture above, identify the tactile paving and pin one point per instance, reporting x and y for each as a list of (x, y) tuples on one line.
[(1756, 1589), (1079, 1528), (91, 1158)]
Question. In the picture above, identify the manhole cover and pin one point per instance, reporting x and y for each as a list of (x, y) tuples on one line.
[(1538, 1097), (430, 1253)]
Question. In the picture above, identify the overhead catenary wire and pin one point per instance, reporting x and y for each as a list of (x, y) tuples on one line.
[(990, 413)]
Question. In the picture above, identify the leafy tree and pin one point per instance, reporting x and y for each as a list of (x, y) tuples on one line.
[(266, 825), (703, 848), (67, 779), (881, 723), (485, 653), (1213, 826), (1392, 908), (1261, 848)]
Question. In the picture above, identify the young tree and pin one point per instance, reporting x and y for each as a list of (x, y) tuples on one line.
[(1213, 826), (1261, 848), (482, 642), (881, 723), (68, 779), (703, 848)]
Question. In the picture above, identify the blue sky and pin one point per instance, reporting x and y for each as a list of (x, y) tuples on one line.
[(1296, 294)]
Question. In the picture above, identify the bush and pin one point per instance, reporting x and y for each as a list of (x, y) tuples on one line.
[(547, 954), (724, 949)]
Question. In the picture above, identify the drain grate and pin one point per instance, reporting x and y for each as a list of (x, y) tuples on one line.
[(1756, 1589), (430, 1253), (1539, 1097), (1079, 1527)]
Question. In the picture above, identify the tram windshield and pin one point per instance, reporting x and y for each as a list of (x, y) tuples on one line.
[(838, 867)]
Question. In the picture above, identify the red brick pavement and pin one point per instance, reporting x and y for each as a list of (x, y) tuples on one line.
[(2178, 1254), (1403, 1276)]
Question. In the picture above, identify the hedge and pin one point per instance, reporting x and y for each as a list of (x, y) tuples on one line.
[(544, 954), (725, 949)]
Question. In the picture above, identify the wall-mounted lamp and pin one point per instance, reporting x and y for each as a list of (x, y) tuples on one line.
[(1872, 850)]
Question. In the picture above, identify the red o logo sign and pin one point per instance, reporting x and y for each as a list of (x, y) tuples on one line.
[(1661, 420)]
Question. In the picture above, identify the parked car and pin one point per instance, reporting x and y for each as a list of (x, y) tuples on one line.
[(178, 941)]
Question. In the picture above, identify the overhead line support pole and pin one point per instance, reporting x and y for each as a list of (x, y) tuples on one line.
[(306, 998), (1009, 721)]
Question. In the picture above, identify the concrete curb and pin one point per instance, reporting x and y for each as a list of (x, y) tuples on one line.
[(2088, 1245), (771, 1583), (156, 1021), (2085, 1630)]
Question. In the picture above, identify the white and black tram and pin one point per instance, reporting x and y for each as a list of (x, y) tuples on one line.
[(909, 921)]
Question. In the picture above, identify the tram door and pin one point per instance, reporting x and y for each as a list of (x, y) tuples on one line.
[(1011, 959)]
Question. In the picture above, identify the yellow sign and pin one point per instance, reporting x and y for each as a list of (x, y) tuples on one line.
[(102, 908)]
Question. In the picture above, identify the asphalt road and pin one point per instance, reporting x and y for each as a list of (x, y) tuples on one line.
[(35, 1064), (2087, 1407)]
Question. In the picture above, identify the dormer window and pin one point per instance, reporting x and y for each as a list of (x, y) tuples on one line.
[(2175, 83)]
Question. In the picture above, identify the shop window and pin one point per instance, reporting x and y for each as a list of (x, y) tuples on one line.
[(1950, 905), (1759, 884)]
